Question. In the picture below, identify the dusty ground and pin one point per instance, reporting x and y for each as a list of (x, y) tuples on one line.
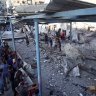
[(53, 77)]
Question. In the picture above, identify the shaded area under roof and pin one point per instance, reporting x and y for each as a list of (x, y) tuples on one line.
[(66, 5)]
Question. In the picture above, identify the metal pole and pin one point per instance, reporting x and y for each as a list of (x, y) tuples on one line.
[(70, 32), (14, 47), (0, 36), (11, 27), (38, 58)]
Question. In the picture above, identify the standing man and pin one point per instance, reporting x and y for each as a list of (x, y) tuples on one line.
[(51, 43), (46, 39), (27, 40)]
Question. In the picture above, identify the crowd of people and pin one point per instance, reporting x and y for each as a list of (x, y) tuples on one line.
[(60, 36), (10, 74)]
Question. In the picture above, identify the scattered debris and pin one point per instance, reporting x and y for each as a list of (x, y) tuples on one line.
[(63, 72), (64, 94), (92, 89)]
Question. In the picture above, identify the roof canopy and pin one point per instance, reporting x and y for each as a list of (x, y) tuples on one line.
[(66, 11)]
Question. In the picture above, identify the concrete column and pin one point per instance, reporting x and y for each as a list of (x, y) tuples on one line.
[(38, 57)]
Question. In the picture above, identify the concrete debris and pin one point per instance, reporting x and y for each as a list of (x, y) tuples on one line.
[(45, 61), (47, 57), (95, 79), (28, 68), (64, 94), (75, 72), (73, 54), (19, 41), (65, 65), (90, 36), (74, 36), (89, 70), (72, 60), (80, 38), (26, 77), (81, 94), (92, 45)]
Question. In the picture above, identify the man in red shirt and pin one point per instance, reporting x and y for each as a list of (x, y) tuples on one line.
[(64, 35)]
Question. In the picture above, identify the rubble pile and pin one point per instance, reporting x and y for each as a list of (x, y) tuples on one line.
[(74, 58), (60, 73)]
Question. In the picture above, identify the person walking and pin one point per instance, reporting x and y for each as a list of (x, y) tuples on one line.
[(46, 39), (5, 74), (58, 43), (51, 43), (27, 40), (63, 36)]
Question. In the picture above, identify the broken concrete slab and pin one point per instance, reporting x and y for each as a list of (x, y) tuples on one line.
[(26, 77), (73, 54), (28, 68), (75, 72), (90, 36)]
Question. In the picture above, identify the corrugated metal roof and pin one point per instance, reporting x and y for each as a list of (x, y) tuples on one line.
[(66, 11)]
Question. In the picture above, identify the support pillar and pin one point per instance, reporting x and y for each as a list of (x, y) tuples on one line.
[(13, 41), (0, 36), (38, 57), (70, 32)]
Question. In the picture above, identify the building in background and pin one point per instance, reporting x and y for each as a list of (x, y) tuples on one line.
[(2, 3), (9, 3), (9, 6), (2, 7), (27, 2), (24, 6)]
